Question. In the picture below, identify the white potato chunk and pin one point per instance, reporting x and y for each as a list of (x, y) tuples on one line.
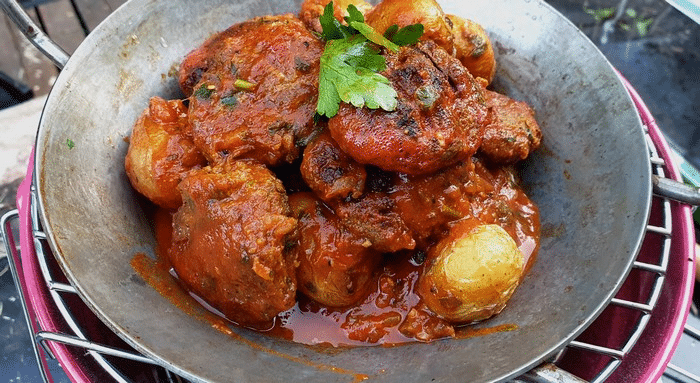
[(473, 48), (436, 25), (471, 274)]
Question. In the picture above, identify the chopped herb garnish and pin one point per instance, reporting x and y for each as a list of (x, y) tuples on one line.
[(204, 91), (243, 84), (70, 143), (354, 14), (229, 100), (405, 36), (373, 35), (351, 62)]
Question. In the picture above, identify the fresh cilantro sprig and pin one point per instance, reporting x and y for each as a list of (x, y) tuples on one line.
[(351, 62)]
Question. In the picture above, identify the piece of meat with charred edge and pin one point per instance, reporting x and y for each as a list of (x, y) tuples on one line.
[(230, 241), (160, 153), (513, 132), (329, 172), (437, 123), (429, 203), (336, 267), (253, 89), (373, 217)]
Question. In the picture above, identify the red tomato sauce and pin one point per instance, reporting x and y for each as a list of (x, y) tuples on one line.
[(380, 319)]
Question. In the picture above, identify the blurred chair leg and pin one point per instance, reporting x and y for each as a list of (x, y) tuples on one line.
[(13, 92)]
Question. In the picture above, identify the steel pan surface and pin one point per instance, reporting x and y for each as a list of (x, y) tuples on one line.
[(591, 180)]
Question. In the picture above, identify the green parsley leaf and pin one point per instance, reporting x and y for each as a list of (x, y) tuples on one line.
[(351, 62), (357, 84), (364, 55), (332, 29), (407, 35), (328, 98), (391, 31), (354, 14), (70, 143), (373, 36)]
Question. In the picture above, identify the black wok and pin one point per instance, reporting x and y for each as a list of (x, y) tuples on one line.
[(591, 181)]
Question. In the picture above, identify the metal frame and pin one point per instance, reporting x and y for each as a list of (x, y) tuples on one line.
[(659, 269), (57, 290)]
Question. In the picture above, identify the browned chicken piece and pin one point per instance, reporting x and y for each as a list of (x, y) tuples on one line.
[(429, 203), (438, 121), (329, 172), (373, 217), (160, 153), (311, 10), (436, 25), (253, 90), (407, 212), (336, 267), (513, 132), (229, 241), (497, 198), (473, 48)]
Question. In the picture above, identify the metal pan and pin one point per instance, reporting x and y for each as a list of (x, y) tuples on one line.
[(591, 180)]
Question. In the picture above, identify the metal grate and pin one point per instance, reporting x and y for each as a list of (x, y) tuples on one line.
[(61, 293), (659, 268)]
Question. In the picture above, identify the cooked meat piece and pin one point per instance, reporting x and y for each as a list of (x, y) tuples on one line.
[(229, 241), (496, 197), (473, 48), (329, 172), (438, 121), (253, 90), (513, 132), (373, 217), (429, 203), (335, 266), (311, 10), (425, 326), (160, 153), (436, 26), (400, 211)]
